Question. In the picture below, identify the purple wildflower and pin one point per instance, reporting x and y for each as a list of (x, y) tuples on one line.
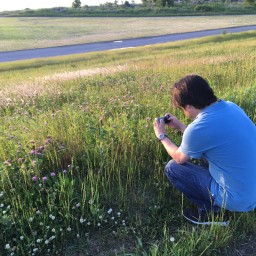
[(20, 160), (34, 178), (44, 178), (53, 174), (6, 163)]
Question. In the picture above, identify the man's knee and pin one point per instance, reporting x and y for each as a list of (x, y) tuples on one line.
[(171, 168)]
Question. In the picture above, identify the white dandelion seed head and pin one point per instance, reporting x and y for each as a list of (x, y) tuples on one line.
[(7, 246), (172, 239)]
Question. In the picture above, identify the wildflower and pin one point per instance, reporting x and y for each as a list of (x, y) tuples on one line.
[(69, 229), (47, 141), (4, 212), (34, 178), (52, 217), (53, 230), (110, 210), (90, 201), (77, 235), (21, 237), (1, 205), (35, 249), (2, 193), (44, 178), (7, 246), (78, 205), (30, 219), (172, 239), (64, 171), (20, 160), (38, 240), (32, 152), (98, 224), (100, 217), (6, 163), (119, 214), (38, 212), (53, 174), (82, 220), (47, 242)]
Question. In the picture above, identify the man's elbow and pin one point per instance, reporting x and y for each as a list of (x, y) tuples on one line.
[(180, 158), (180, 161)]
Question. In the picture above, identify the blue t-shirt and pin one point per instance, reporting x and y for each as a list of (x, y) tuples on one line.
[(224, 135)]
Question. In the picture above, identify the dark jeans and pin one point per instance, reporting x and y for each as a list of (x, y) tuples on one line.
[(194, 182)]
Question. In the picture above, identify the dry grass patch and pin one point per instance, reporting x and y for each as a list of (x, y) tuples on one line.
[(51, 84)]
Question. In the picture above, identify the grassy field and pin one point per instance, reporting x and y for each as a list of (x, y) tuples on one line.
[(81, 170), (26, 33)]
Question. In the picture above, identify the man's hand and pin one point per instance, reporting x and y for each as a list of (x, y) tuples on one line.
[(159, 127), (175, 123)]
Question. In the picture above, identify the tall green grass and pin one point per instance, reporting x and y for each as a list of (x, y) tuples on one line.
[(79, 158)]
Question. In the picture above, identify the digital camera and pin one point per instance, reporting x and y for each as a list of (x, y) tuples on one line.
[(165, 118)]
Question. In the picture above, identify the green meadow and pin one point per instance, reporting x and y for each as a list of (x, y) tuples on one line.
[(81, 172)]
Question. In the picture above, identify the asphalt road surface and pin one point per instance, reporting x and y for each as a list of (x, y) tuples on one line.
[(111, 45)]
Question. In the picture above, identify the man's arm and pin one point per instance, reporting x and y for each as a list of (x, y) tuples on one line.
[(174, 151)]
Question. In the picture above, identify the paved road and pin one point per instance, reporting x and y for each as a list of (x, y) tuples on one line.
[(111, 45)]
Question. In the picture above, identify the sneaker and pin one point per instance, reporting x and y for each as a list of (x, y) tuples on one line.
[(207, 218)]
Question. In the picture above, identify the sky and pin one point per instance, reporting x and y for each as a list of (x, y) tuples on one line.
[(9, 5)]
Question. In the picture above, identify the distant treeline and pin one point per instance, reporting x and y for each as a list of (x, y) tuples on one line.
[(145, 10)]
